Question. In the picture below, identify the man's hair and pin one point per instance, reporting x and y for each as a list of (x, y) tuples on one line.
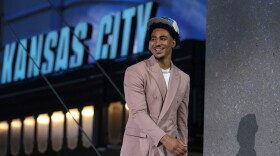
[(171, 31)]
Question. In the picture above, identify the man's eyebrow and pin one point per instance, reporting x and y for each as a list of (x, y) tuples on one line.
[(159, 36)]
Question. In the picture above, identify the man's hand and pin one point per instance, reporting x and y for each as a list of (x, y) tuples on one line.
[(173, 145)]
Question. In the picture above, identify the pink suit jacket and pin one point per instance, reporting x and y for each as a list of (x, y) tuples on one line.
[(154, 110)]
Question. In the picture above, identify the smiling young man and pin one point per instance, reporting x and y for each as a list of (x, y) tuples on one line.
[(157, 94)]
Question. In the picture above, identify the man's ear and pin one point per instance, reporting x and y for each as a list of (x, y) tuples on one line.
[(173, 43)]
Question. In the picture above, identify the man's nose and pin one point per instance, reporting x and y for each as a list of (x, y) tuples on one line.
[(157, 42)]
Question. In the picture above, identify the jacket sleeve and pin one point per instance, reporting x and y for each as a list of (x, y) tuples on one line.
[(182, 115), (136, 101)]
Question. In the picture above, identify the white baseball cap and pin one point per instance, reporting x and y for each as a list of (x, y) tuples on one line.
[(164, 20)]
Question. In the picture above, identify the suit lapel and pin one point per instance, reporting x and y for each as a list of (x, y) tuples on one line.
[(157, 75), (172, 90)]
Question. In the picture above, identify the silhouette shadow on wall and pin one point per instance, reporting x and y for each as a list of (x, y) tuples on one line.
[(246, 133)]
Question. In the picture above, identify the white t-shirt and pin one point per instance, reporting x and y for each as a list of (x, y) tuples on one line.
[(166, 75)]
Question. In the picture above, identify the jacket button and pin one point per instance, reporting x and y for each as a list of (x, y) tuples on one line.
[(155, 97)]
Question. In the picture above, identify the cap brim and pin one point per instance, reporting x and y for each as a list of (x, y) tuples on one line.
[(158, 20)]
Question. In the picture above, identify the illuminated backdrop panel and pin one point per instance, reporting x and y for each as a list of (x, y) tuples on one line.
[(115, 29)]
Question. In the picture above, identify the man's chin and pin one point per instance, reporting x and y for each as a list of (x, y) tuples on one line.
[(159, 57)]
